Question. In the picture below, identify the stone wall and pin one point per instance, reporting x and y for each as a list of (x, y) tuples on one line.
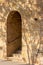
[(31, 14)]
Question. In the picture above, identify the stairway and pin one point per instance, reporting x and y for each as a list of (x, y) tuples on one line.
[(16, 57)]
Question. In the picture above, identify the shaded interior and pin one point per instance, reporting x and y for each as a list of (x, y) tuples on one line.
[(14, 33)]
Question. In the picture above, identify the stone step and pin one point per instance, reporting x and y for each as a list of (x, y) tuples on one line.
[(16, 58)]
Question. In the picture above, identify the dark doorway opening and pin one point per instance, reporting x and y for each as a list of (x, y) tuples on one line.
[(14, 33)]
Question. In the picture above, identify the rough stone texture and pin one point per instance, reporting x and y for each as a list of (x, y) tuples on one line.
[(32, 16)]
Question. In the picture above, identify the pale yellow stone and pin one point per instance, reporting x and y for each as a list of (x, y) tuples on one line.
[(29, 5), (25, 54), (28, 39), (1, 1), (1, 54), (1, 14), (34, 7), (23, 42), (3, 27)]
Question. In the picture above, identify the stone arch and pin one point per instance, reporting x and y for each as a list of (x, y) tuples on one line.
[(14, 32)]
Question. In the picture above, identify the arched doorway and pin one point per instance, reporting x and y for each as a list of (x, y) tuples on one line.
[(14, 32)]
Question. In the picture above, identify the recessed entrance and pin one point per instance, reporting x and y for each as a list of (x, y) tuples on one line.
[(14, 33)]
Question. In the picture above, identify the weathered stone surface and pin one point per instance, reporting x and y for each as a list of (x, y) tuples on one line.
[(32, 14)]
